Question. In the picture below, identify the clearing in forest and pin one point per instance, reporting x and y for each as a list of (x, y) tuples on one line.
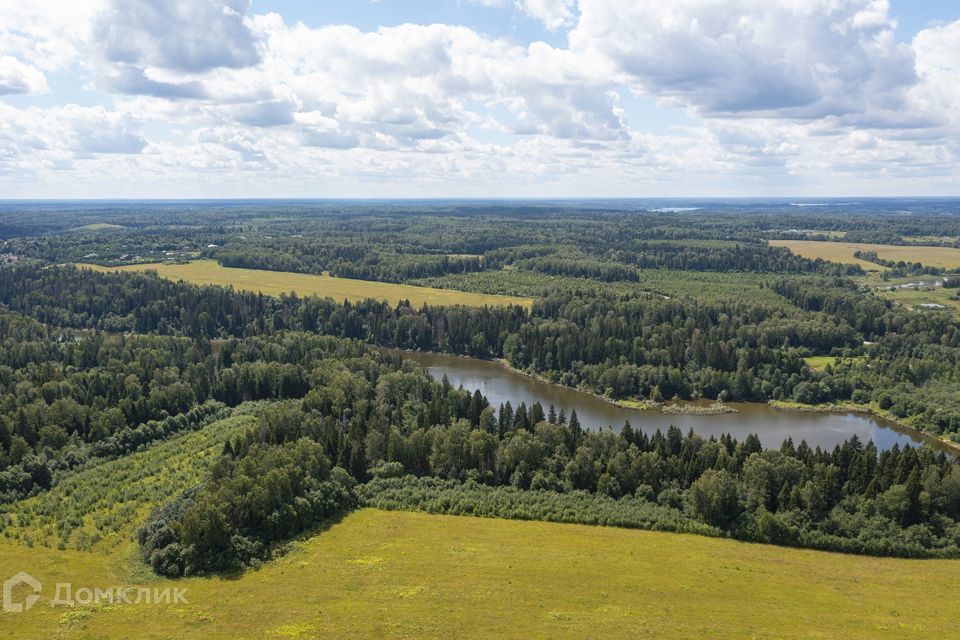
[(946, 257), (303, 284)]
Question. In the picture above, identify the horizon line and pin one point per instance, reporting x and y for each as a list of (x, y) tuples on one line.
[(476, 198)]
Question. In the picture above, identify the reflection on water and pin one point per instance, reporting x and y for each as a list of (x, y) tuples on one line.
[(500, 385)]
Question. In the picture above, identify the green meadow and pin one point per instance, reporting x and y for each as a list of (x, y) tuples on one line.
[(382, 574)]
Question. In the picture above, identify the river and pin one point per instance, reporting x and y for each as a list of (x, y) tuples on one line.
[(500, 384)]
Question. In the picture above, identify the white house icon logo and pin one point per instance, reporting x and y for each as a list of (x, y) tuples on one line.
[(22, 578)]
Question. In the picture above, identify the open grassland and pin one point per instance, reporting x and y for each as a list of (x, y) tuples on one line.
[(946, 257), (921, 290), (393, 574), (915, 297), (277, 282), (818, 363)]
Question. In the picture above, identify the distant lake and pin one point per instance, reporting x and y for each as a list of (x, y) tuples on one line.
[(499, 385)]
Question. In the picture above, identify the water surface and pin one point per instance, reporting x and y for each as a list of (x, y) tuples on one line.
[(499, 384)]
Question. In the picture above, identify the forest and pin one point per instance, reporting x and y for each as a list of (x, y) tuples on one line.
[(96, 366)]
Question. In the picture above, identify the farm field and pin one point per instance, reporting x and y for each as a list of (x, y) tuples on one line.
[(397, 574), (277, 282), (946, 257)]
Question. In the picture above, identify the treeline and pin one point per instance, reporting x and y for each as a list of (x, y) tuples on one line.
[(262, 496), (898, 268), (144, 303), (67, 398), (377, 417), (621, 261), (666, 348), (619, 346), (358, 261)]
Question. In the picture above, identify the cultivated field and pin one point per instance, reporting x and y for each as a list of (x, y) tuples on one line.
[(277, 282), (393, 574), (946, 257)]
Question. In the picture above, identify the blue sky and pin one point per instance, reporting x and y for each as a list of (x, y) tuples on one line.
[(439, 98)]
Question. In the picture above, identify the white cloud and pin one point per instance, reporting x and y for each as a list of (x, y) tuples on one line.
[(47, 34), (775, 95), (17, 77), (190, 36), (794, 58), (50, 145), (552, 13), (938, 64)]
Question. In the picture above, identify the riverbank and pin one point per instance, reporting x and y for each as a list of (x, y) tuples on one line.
[(719, 408), (681, 408), (639, 405), (866, 410), (501, 383)]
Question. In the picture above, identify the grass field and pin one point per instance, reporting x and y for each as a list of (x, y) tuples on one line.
[(925, 295), (946, 257), (404, 575), (277, 282), (820, 362)]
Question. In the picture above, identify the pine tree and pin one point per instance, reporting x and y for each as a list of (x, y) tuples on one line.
[(536, 414), (521, 420), (914, 513), (506, 418)]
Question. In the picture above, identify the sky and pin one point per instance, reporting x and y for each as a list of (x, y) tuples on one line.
[(479, 98)]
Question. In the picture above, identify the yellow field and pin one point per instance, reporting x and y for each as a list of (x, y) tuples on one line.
[(277, 282), (410, 575), (946, 257)]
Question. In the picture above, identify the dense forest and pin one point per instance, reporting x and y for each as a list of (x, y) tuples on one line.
[(376, 417), (95, 366), (641, 347)]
